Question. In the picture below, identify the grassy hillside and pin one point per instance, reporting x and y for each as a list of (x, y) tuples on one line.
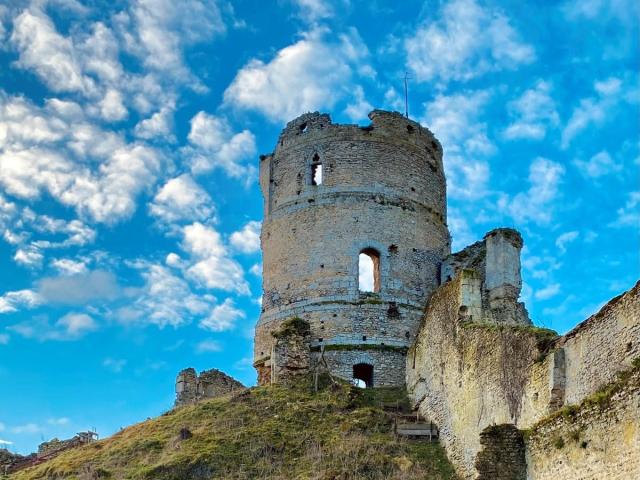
[(262, 433)]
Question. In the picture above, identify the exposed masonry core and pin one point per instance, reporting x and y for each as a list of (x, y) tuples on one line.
[(332, 192)]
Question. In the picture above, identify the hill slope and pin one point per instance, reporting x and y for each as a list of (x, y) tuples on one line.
[(267, 433)]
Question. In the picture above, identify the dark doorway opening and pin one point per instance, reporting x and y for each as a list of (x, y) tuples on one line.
[(363, 375)]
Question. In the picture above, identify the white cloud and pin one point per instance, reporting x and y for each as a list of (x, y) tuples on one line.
[(115, 365), (4, 340), (547, 292), (67, 266), (42, 150), (158, 30), (360, 108), (29, 257), (629, 215), (212, 267), (19, 299), (455, 122), (111, 106), (598, 109), (599, 165), (223, 317), (564, 239), (5, 442), (247, 240), (466, 41), (160, 124), (256, 269), (58, 421), (311, 74), (461, 234), (536, 204), (208, 346), (214, 145), (48, 53), (71, 326), (314, 10), (165, 300), (181, 198), (80, 289), (532, 113)]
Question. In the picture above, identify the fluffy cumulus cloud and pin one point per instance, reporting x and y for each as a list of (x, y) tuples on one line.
[(532, 113), (465, 41), (210, 263), (213, 144), (312, 74), (247, 240), (166, 299), (182, 199), (45, 150), (223, 317), (537, 203), (456, 122), (564, 239)]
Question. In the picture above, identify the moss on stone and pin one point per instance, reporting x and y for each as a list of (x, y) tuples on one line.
[(293, 326)]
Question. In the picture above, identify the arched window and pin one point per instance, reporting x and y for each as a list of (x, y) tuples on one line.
[(369, 270), (316, 170), (363, 375)]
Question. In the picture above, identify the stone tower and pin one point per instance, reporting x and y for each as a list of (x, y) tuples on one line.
[(336, 197)]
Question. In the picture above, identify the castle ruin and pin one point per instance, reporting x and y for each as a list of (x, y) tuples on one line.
[(343, 202)]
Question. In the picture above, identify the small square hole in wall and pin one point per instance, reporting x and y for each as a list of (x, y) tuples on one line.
[(320, 340), (364, 338)]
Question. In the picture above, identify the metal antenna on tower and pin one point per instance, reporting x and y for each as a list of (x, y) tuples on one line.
[(406, 94)]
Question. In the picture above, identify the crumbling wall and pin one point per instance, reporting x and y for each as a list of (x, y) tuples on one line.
[(291, 358), (602, 345), (467, 375), (502, 456), (496, 261), (191, 388), (599, 440)]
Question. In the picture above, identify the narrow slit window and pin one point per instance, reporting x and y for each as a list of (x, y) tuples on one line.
[(316, 171), (369, 270)]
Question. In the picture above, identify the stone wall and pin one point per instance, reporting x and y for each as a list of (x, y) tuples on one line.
[(383, 188), (291, 359), (191, 388), (467, 375), (502, 456), (600, 440)]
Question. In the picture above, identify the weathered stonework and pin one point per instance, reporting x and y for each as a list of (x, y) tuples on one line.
[(598, 441), (191, 388), (502, 456), (467, 375), (291, 358), (383, 188)]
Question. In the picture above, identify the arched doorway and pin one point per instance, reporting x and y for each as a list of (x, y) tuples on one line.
[(363, 375)]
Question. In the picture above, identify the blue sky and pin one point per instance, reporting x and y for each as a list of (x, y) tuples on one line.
[(129, 140)]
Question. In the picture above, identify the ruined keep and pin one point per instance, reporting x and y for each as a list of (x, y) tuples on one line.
[(331, 194)]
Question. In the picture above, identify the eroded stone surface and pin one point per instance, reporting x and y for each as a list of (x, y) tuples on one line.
[(191, 388)]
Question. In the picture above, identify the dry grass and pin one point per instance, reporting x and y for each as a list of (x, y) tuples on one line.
[(265, 433)]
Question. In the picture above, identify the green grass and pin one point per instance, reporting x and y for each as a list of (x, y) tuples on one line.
[(265, 432)]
